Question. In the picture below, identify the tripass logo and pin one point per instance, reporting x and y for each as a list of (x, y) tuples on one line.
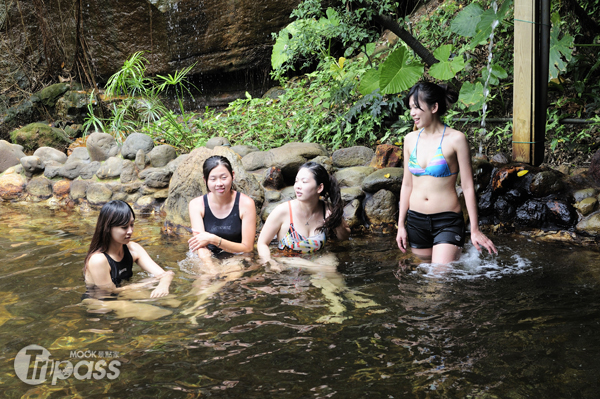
[(33, 366)]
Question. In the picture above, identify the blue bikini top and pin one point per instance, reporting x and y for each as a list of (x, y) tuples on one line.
[(437, 166)]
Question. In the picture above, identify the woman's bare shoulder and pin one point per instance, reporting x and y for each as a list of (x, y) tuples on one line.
[(245, 200), (97, 260)]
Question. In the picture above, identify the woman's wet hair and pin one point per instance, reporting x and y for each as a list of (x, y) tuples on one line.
[(213, 162), (430, 94), (331, 191), (113, 214)]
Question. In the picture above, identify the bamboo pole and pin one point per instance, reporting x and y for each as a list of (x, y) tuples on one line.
[(524, 80)]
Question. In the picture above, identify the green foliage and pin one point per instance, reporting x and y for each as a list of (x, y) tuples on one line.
[(448, 67), (560, 49)]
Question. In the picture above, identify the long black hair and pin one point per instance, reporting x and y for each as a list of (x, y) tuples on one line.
[(113, 214), (331, 191), (431, 93), (212, 162)]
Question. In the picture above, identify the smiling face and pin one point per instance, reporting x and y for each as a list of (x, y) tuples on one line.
[(122, 234), (219, 180), (306, 186), (422, 114)]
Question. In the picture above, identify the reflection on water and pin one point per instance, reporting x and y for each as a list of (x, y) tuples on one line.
[(520, 324)]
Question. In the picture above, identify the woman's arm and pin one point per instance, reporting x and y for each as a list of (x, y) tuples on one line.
[(270, 230), (463, 155), (342, 232), (405, 192), (99, 271), (200, 237), (141, 257)]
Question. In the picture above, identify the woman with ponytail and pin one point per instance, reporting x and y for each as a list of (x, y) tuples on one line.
[(430, 216), (304, 224)]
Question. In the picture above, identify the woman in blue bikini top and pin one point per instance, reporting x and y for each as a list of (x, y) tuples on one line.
[(302, 225), (430, 190)]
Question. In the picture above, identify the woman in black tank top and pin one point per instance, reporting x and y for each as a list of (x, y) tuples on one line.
[(110, 258), (222, 220)]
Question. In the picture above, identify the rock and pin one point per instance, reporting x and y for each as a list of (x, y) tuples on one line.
[(382, 208), (61, 188), (79, 154), (140, 159), (131, 188), (594, 169), (36, 135), (73, 106), (161, 155), (499, 158), (291, 156), (288, 193), (161, 194), (482, 174), (580, 195), (40, 187), (590, 225), (50, 154), (88, 171), (32, 165), (12, 186), (324, 161), (121, 196), (217, 141), (156, 177), (174, 164), (101, 146), (352, 214), (49, 95), (111, 169), (531, 214), (354, 176), (128, 172), (559, 212), (564, 169), (504, 210), (545, 183), (144, 204), (188, 183), (507, 176), (274, 92), (257, 160), (352, 156), (98, 193), (349, 194), (136, 142), (587, 205), (72, 170), (10, 155), (78, 189), (273, 178), (387, 178), (272, 195), (266, 211), (243, 149), (387, 156), (51, 169)]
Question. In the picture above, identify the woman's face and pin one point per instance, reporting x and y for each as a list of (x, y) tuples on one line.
[(421, 116), (122, 234), (219, 180), (306, 185)]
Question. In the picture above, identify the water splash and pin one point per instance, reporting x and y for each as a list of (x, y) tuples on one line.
[(486, 91)]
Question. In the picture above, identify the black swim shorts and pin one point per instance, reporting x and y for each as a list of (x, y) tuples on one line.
[(425, 231)]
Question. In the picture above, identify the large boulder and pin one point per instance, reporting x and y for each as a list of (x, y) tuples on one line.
[(40, 187), (101, 146), (71, 170), (32, 165), (10, 155), (12, 185), (217, 141), (73, 106), (243, 149), (352, 156), (88, 171), (36, 135), (49, 95), (382, 208), (350, 177), (111, 169), (50, 154), (161, 155), (156, 177), (188, 183), (386, 178), (79, 154), (135, 142), (387, 156)]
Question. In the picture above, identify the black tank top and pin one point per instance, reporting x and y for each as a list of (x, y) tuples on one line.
[(120, 270), (229, 228)]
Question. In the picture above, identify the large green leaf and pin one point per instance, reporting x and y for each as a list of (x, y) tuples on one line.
[(279, 55), (561, 50), (488, 17), (497, 73), (465, 23), (446, 69), (369, 82), (397, 74), (471, 96)]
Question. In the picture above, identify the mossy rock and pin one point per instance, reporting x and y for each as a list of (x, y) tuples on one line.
[(36, 135), (49, 95)]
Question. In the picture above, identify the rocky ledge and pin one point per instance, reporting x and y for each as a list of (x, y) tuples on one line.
[(154, 179)]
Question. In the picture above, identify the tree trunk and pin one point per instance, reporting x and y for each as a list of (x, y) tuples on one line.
[(407, 38)]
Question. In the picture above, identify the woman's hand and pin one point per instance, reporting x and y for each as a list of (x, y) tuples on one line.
[(480, 240), (402, 238), (201, 240), (159, 292)]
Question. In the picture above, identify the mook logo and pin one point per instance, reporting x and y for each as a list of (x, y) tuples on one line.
[(33, 366)]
